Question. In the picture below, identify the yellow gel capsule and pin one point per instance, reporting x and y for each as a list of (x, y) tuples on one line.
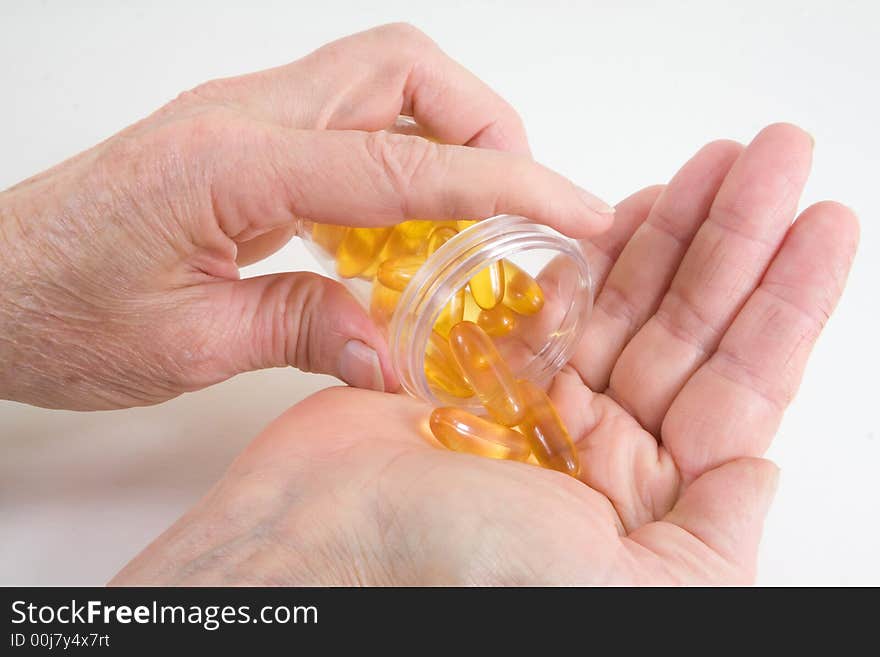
[(395, 245), (383, 303), (461, 431), (463, 224), (398, 272), (498, 321), (328, 236), (486, 372), (441, 370), (471, 309), (407, 238), (416, 229), (452, 313), (359, 250), (439, 236), (547, 435), (488, 286), (522, 294)]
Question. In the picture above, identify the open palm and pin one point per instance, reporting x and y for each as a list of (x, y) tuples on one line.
[(708, 301)]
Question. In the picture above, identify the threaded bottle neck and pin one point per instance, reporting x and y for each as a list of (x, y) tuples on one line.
[(556, 261)]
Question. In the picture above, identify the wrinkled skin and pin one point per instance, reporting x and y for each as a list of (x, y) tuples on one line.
[(121, 288), (120, 269), (709, 303)]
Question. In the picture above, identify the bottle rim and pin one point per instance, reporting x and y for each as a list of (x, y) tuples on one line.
[(451, 267)]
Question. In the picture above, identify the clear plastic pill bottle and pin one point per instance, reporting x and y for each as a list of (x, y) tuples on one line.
[(525, 284)]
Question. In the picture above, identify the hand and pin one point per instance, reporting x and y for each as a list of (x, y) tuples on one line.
[(709, 302), (120, 266)]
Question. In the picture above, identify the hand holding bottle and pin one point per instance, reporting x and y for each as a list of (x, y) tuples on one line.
[(120, 268)]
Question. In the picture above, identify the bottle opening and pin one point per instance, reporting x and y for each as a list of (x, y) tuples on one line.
[(537, 327)]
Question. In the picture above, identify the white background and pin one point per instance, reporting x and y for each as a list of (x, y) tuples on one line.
[(615, 95)]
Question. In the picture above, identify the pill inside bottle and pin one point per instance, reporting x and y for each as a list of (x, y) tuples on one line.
[(474, 324)]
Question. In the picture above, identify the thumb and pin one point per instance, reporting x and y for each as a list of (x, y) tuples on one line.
[(299, 319), (722, 514)]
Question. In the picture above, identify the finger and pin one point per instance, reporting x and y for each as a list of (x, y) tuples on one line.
[(619, 459), (364, 81), (732, 406), (602, 250), (723, 265), (711, 536), (299, 319), (264, 245), (558, 278), (265, 177), (643, 270)]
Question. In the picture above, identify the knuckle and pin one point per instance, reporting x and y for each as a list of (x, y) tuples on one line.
[(297, 315), (210, 91), (404, 32), (219, 92), (398, 160), (172, 142), (186, 100)]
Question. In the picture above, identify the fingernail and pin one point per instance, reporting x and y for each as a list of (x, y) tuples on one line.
[(359, 366), (594, 203)]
